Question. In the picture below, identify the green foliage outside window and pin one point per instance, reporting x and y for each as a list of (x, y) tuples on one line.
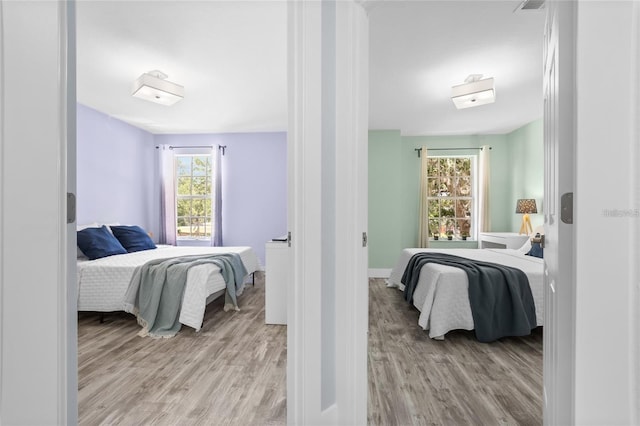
[(193, 198), (450, 195)]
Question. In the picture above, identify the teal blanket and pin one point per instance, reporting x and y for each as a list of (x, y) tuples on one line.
[(159, 285)]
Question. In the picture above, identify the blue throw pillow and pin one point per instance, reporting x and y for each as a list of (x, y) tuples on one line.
[(133, 238), (536, 250), (98, 242)]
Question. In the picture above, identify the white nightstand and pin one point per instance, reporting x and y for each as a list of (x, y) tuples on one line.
[(510, 240)]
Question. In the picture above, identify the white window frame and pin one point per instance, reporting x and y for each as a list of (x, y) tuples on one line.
[(210, 197), (473, 233)]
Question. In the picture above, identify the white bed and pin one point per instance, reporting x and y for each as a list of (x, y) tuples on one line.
[(441, 294), (102, 283)]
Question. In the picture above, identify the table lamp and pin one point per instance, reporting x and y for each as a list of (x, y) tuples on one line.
[(525, 206)]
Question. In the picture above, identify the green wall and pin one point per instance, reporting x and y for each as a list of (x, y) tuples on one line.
[(394, 176), (385, 200), (526, 157)]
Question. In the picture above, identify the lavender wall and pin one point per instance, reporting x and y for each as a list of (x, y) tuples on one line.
[(115, 171), (118, 178), (254, 191)]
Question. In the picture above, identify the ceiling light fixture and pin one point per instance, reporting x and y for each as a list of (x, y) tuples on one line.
[(153, 86), (530, 5), (474, 92)]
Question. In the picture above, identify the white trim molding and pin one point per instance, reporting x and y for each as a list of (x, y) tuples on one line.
[(606, 377), (328, 315), (634, 249), (38, 344), (304, 215), (351, 190), (379, 272)]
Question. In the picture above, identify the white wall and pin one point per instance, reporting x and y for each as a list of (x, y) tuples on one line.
[(606, 215)]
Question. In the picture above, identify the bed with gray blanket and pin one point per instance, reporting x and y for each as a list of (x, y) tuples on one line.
[(441, 292), (111, 283)]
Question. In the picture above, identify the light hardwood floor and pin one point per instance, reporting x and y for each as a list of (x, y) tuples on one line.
[(414, 380), (233, 371)]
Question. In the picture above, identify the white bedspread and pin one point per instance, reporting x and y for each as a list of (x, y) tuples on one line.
[(442, 295), (102, 283)]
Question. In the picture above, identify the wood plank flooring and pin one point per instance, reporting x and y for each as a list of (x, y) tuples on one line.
[(232, 372), (414, 380)]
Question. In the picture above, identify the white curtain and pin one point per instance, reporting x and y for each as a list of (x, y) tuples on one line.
[(167, 196), (484, 219), (424, 205), (216, 208)]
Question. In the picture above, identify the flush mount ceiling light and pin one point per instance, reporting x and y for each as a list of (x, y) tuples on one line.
[(530, 5), (153, 86), (474, 92)]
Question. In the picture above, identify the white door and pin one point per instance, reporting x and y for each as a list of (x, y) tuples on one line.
[(37, 326), (559, 137), (327, 148)]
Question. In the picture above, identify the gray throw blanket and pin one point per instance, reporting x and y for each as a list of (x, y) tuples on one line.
[(500, 296), (158, 286)]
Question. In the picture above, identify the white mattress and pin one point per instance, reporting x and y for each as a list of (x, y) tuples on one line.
[(442, 295), (102, 283)]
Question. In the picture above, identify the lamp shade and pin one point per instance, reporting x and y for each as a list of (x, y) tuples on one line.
[(526, 206)]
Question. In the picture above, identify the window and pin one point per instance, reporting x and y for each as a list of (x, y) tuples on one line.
[(193, 196), (450, 197)]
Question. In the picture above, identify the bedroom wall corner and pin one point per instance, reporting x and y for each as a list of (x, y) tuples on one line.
[(386, 198), (394, 172), (500, 175), (500, 207), (254, 185), (116, 165), (526, 160)]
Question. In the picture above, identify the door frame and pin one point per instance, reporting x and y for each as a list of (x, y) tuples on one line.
[(327, 165), (38, 345), (58, 349), (559, 273)]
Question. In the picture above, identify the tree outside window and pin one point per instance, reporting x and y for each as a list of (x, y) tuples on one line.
[(450, 196), (193, 198)]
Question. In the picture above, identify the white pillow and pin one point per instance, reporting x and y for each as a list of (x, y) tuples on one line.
[(89, 225), (109, 225), (526, 247)]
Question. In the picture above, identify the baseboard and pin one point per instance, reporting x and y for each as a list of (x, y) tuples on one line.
[(379, 273)]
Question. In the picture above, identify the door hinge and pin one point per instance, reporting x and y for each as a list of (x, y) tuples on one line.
[(364, 239), (71, 207), (289, 238), (566, 208)]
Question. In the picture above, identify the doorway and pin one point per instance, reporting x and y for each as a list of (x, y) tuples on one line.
[(221, 52), (421, 58)]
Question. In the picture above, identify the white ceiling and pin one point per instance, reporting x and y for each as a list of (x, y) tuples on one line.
[(231, 59)]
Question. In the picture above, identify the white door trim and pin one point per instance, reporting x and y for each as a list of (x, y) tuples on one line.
[(69, 325), (303, 147), (351, 252), (559, 146), (37, 361), (327, 148), (607, 60)]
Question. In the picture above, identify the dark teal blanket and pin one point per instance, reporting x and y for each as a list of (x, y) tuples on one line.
[(500, 296), (160, 286)]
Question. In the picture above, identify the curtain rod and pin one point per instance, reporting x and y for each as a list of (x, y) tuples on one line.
[(419, 150), (222, 147)]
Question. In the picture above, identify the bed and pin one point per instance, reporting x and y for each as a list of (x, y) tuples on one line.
[(103, 283), (441, 294)]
